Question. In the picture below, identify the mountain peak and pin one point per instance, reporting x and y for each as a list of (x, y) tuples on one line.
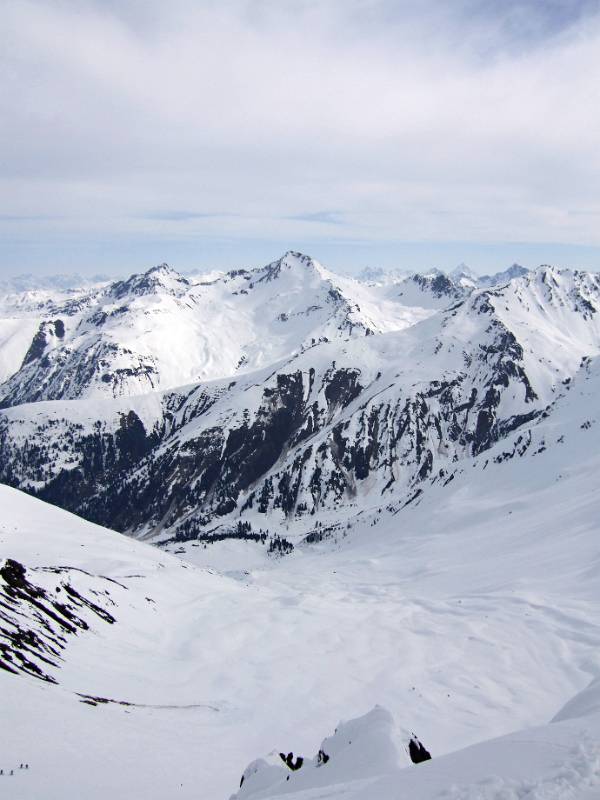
[(514, 271), (291, 261), (462, 270), (293, 258), (161, 268), (161, 277), (547, 272)]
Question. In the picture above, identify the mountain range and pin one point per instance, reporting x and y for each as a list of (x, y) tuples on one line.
[(283, 399), (372, 501), (472, 613)]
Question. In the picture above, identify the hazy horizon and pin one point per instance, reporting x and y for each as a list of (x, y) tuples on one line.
[(341, 269)]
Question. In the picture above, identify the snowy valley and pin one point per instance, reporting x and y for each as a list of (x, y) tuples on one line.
[(371, 500)]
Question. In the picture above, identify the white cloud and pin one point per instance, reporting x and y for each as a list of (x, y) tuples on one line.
[(434, 121)]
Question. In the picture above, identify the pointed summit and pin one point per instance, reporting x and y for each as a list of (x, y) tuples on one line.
[(161, 277), (500, 278), (462, 270), (160, 268), (293, 258), (463, 276), (292, 261)]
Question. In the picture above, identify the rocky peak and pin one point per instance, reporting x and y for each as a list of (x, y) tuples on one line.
[(463, 271), (499, 278), (438, 285), (291, 261), (161, 277)]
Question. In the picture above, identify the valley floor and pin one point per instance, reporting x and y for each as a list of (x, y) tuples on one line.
[(467, 623)]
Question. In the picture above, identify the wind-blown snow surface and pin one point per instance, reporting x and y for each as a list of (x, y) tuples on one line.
[(551, 762), (470, 613), (16, 334)]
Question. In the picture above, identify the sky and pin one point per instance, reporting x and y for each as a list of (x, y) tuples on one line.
[(364, 132)]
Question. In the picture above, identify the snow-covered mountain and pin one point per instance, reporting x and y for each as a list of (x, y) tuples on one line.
[(391, 504), (159, 329), (364, 416), (471, 613), (499, 278), (462, 276)]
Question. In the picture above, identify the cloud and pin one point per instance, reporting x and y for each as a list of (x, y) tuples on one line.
[(466, 121), (323, 217), (183, 216)]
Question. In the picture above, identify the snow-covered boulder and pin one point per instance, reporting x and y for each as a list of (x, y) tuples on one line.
[(366, 747)]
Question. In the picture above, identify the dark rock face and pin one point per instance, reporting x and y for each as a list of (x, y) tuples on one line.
[(341, 387), (289, 761), (35, 624), (46, 332), (417, 752), (310, 442), (105, 461), (439, 286), (37, 346)]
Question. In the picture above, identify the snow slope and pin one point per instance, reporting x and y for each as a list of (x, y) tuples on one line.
[(550, 762), (15, 337), (470, 613), (429, 461)]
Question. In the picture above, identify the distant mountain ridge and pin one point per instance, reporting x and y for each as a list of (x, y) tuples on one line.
[(126, 337), (514, 271), (274, 396), (462, 275), (61, 282), (68, 282)]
